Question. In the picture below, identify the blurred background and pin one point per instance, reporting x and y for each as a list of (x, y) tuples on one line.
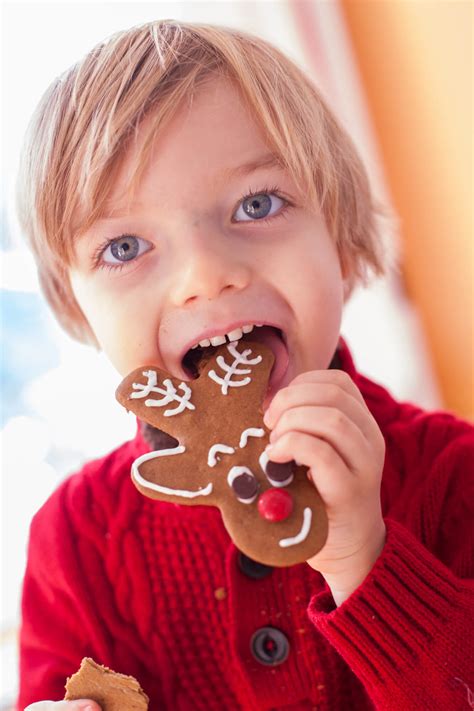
[(398, 74)]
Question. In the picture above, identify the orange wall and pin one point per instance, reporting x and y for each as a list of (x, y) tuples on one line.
[(415, 60)]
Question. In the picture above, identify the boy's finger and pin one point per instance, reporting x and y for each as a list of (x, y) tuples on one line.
[(330, 425), (327, 470), (318, 394), (337, 377), (78, 705)]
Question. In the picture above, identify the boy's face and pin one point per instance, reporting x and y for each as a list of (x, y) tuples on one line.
[(194, 257)]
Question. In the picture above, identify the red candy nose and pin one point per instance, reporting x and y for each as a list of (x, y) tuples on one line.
[(275, 504)]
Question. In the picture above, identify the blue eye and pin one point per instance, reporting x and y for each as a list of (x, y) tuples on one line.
[(258, 206), (121, 250)]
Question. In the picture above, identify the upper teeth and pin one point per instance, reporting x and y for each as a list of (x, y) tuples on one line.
[(231, 336)]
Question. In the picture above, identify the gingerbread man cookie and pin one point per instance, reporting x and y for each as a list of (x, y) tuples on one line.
[(272, 512)]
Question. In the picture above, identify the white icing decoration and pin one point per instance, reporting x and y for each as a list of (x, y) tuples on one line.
[(250, 432), (263, 461), (231, 370), (169, 395), (285, 542), (235, 472), (216, 449), (164, 489)]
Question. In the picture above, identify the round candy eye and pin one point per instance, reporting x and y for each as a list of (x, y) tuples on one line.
[(277, 474), (244, 484)]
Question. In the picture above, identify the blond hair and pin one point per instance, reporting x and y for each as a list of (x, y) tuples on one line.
[(89, 115)]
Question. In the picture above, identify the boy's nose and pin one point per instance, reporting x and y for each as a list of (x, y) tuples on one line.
[(205, 273)]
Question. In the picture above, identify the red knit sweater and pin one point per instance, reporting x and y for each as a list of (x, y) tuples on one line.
[(154, 590)]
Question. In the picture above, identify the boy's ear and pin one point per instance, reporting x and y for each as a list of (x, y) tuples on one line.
[(94, 342), (348, 288), (84, 334), (89, 337), (82, 330), (348, 281)]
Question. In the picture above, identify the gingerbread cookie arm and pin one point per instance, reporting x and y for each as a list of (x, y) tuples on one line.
[(157, 398)]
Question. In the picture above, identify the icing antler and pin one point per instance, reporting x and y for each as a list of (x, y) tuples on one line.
[(219, 460), (169, 393)]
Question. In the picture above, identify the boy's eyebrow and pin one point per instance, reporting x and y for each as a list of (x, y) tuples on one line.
[(269, 160)]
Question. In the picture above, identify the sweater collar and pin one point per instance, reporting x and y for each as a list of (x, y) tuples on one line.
[(342, 359)]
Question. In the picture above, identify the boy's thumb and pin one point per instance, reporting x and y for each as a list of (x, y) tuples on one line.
[(78, 705), (82, 705)]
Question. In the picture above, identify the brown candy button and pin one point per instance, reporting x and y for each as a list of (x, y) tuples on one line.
[(280, 474), (244, 485)]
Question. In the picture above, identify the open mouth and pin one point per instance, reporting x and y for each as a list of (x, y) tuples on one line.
[(272, 337)]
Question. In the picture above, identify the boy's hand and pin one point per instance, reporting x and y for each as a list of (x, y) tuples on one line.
[(79, 705), (321, 420)]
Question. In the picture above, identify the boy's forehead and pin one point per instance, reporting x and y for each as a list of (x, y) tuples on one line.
[(123, 199), (213, 114)]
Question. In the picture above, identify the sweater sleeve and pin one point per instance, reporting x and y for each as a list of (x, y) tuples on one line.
[(87, 589), (406, 632), (59, 618)]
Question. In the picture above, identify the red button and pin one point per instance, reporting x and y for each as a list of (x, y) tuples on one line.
[(275, 504)]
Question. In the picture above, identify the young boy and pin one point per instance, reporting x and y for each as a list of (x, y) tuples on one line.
[(180, 182)]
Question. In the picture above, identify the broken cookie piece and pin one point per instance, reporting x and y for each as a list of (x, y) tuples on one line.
[(113, 691)]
